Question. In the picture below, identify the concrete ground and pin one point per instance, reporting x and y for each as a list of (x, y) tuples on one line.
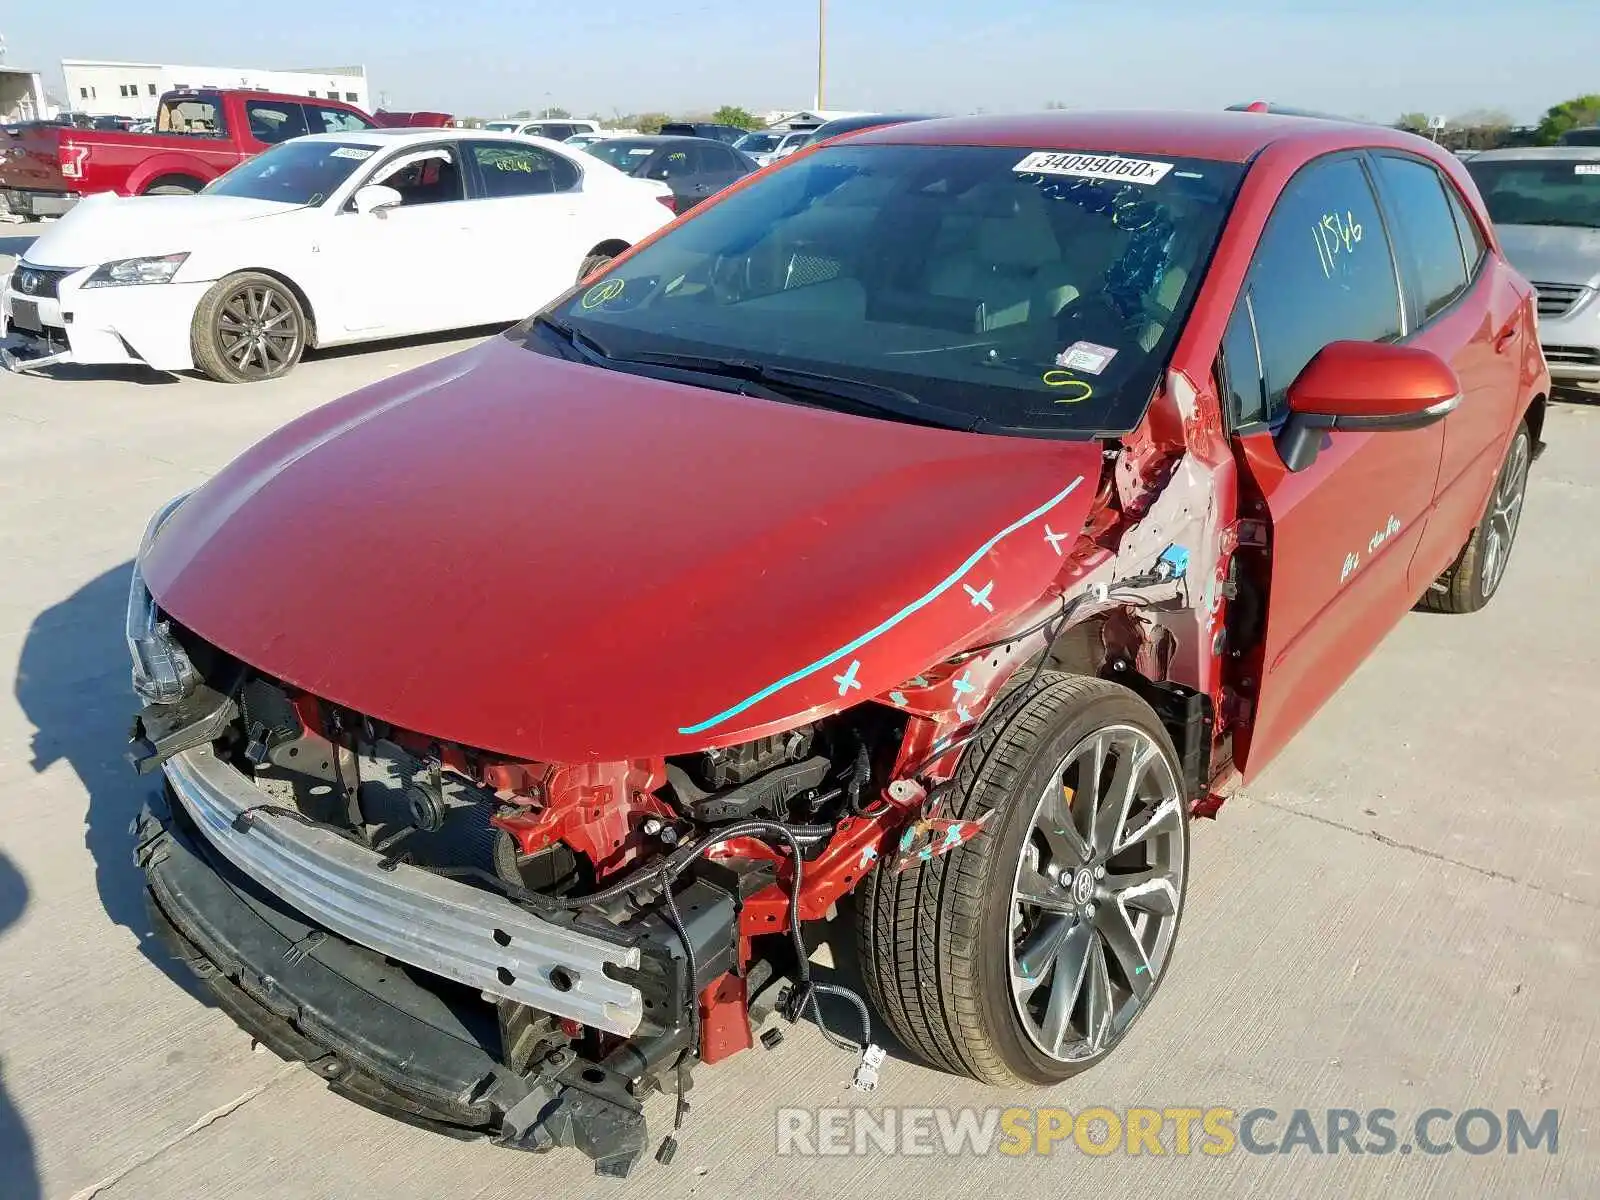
[(1404, 913)]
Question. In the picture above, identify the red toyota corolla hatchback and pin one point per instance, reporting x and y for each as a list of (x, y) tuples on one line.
[(943, 516)]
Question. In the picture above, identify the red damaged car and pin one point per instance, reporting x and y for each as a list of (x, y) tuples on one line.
[(943, 517)]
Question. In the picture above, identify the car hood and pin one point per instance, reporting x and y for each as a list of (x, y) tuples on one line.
[(1553, 253), (562, 563), (107, 227)]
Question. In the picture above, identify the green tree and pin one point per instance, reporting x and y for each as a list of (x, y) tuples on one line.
[(739, 118), (650, 122), (1569, 114), (1413, 122)]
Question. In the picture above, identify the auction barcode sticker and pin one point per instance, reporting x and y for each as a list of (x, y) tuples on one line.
[(1586, 169), (1093, 166)]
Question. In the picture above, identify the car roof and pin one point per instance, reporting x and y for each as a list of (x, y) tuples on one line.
[(388, 137), (1228, 136), (662, 139), (1539, 153)]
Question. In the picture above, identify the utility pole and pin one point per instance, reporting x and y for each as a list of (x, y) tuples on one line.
[(822, 15)]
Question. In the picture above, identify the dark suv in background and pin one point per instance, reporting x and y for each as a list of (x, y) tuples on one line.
[(704, 129)]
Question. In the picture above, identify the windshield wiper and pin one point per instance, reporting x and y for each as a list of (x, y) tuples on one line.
[(809, 386), (586, 346)]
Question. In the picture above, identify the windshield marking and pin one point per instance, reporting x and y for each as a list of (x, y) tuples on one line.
[(883, 627), (1057, 378)]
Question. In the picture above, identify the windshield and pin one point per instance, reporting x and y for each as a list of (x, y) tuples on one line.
[(621, 153), (1526, 191), (1037, 292), (297, 172), (757, 143)]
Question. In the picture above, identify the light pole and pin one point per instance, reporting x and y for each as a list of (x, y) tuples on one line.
[(822, 14)]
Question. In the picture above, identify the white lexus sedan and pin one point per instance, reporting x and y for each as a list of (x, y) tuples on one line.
[(320, 241)]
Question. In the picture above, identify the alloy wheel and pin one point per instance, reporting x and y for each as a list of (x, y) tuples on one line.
[(258, 331), (1505, 511), (1097, 894)]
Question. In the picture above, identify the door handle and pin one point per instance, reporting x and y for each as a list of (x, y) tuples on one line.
[(1502, 340)]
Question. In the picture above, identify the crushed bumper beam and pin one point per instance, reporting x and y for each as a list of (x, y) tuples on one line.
[(439, 925)]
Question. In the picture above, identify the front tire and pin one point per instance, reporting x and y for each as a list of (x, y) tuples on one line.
[(1026, 955), (1472, 580), (248, 328)]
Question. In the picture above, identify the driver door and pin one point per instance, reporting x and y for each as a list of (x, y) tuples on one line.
[(1344, 530)]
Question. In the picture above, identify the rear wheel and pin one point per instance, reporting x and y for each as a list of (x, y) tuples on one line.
[(173, 187), (593, 263), (1472, 580), (1026, 955), (249, 327)]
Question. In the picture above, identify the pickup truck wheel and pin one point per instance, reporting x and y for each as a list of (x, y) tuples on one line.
[(1025, 955), (247, 328), (172, 189), (593, 263), (1472, 580)]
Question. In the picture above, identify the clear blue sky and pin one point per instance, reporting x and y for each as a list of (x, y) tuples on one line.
[(1375, 58)]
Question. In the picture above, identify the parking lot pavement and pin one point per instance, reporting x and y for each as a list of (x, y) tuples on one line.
[(1403, 913)]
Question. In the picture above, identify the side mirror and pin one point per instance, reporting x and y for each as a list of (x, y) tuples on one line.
[(1365, 386), (375, 198)]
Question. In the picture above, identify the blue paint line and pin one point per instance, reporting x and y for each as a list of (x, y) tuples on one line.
[(883, 627)]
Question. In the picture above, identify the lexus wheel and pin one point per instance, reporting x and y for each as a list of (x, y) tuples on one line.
[(249, 327), (1027, 954)]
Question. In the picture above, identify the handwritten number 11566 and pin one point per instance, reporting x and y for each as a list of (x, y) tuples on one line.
[(1335, 235)]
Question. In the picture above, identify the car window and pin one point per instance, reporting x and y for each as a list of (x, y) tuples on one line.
[(272, 122), (1472, 242), (758, 143), (297, 172), (431, 176), (1322, 273), (1244, 398), (334, 120), (1425, 229), (675, 162), (198, 116), (507, 169), (624, 154), (1035, 290), (719, 159), (1529, 191)]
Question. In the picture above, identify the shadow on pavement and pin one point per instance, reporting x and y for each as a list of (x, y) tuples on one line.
[(72, 684), (18, 1177)]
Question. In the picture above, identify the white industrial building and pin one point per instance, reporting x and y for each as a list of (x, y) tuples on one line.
[(130, 89), (22, 96)]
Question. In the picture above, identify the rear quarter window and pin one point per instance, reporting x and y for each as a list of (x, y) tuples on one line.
[(1425, 230)]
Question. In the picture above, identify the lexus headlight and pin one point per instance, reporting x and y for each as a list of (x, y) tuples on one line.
[(129, 271)]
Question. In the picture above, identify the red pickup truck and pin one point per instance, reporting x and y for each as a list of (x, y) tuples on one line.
[(45, 169)]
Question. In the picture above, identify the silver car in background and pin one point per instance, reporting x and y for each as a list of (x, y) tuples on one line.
[(1545, 204)]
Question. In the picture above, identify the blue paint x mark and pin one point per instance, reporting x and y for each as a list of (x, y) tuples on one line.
[(1140, 970), (980, 596), (1055, 539), (899, 698), (848, 680), (884, 626), (963, 685)]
